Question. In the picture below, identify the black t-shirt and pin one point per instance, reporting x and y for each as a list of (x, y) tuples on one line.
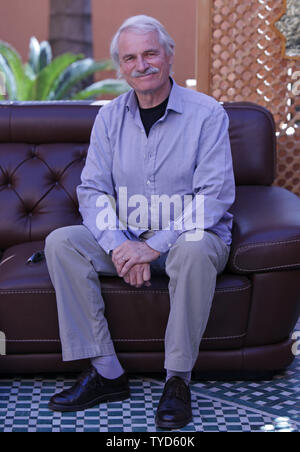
[(149, 116)]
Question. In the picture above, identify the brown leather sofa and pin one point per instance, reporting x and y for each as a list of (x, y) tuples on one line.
[(257, 298)]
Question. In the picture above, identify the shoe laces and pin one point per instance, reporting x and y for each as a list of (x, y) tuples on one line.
[(88, 375), (176, 389)]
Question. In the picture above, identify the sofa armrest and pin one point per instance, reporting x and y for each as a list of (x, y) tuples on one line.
[(266, 231)]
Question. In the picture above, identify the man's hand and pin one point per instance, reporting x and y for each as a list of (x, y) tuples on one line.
[(138, 275), (130, 253)]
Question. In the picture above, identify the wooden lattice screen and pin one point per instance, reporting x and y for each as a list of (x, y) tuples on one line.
[(247, 63)]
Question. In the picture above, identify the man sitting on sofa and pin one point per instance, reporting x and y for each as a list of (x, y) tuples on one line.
[(158, 141)]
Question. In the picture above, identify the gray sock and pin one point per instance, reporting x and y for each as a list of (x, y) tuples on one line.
[(108, 366), (186, 376)]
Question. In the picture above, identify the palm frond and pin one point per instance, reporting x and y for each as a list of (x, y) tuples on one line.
[(45, 57), (15, 64), (76, 72), (47, 79), (34, 54), (42, 78), (108, 86), (9, 79)]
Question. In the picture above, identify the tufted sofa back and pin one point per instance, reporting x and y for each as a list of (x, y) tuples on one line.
[(43, 149)]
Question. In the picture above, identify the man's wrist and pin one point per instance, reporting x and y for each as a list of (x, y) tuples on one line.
[(153, 249)]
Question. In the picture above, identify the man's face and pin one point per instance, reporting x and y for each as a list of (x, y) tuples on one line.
[(143, 61)]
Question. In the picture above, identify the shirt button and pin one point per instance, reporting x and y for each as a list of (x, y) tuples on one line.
[(148, 182), (169, 245)]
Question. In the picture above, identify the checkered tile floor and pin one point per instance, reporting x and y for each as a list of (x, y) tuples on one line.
[(217, 406)]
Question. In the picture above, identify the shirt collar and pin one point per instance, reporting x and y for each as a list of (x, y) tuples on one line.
[(175, 103)]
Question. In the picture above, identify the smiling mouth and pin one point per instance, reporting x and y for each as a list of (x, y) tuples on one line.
[(144, 76)]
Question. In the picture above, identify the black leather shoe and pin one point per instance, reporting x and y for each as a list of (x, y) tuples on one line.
[(174, 408), (89, 390)]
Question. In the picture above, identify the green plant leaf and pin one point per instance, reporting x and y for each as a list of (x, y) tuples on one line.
[(108, 86), (48, 78), (29, 71), (34, 54), (45, 57), (45, 79), (10, 83), (15, 63), (29, 84), (77, 72)]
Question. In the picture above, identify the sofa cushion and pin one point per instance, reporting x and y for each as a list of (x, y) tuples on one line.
[(47, 122), (28, 314), (146, 312), (38, 189), (266, 232), (253, 143), (137, 317)]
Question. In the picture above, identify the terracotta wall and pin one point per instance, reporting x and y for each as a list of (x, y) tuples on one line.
[(20, 19)]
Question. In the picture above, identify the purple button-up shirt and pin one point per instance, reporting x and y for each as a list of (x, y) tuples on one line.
[(186, 156)]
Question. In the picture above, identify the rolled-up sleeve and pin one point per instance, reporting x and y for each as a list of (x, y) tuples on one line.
[(96, 181)]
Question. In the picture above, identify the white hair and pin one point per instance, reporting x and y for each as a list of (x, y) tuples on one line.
[(141, 24)]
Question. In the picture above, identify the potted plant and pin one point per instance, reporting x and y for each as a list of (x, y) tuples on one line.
[(44, 78)]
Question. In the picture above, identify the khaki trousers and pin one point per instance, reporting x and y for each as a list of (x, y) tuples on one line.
[(75, 260)]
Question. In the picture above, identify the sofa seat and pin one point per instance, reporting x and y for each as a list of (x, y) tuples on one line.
[(28, 289), (266, 230), (145, 310)]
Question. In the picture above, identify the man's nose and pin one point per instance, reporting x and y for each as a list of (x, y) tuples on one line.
[(141, 64)]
